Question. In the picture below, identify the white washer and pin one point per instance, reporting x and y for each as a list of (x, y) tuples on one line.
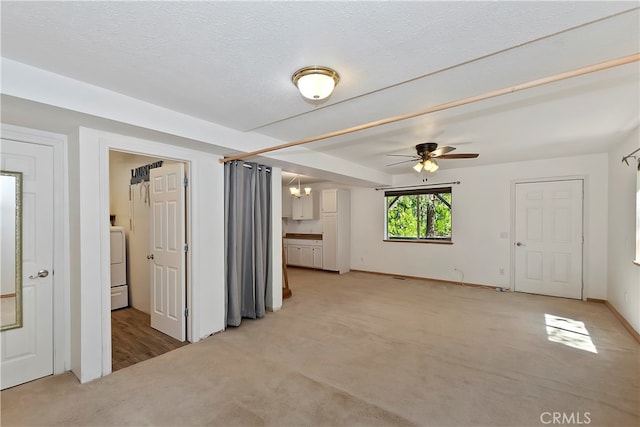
[(119, 288)]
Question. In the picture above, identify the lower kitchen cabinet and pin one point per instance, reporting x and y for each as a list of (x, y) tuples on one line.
[(304, 253)]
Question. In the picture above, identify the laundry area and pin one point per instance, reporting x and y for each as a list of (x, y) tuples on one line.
[(133, 266)]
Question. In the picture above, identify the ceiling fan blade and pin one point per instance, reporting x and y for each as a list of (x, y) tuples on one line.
[(404, 161), (459, 156), (400, 155), (438, 152)]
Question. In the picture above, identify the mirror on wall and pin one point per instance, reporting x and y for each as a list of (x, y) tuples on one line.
[(11, 249)]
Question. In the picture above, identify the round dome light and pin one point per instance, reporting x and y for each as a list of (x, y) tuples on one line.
[(316, 82)]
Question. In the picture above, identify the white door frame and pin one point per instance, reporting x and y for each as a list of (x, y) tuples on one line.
[(105, 230), (512, 241), (90, 302), (91, 344), (61, 288)]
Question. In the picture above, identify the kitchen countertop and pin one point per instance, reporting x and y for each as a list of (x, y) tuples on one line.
[(307, 236)]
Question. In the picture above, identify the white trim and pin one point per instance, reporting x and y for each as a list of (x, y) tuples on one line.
[(205, 277), (585, 216), (274, 294), (187, 219), (61, 290)]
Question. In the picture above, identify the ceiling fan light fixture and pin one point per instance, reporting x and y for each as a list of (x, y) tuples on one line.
[(316, 82), (418, 167), (430, 165)]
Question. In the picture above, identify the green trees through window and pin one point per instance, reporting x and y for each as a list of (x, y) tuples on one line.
[(419, 214)]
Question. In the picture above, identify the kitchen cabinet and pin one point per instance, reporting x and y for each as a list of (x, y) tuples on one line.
[(306, 256), (286, 203), (336, 230), (329, 200), (293, 255), (317, 257), (304, 253), (305, 207)]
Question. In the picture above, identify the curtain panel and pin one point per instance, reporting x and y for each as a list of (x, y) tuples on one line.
[(247, 240)]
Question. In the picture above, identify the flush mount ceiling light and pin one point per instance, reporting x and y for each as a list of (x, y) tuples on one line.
[(315, 82)]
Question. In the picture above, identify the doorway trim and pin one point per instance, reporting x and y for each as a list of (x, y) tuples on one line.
[(585, 217), (91, 344), (105, 192), (186, 225), (61, 258)]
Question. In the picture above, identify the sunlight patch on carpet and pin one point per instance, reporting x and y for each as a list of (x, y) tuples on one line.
[(569, 332)]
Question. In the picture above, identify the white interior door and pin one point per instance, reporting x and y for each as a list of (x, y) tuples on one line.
[(168, 241), (548, 236), (27, 352)]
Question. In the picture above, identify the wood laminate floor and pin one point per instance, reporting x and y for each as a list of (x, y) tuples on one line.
[(134, 340)]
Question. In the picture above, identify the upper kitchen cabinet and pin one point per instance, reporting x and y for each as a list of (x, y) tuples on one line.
[(305, 207), (329, 200)]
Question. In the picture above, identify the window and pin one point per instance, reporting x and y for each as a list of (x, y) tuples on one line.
[(418, 215)]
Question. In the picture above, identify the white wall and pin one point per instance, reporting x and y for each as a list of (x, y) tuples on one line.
[(481, 212), (312, 226), (623, 291)]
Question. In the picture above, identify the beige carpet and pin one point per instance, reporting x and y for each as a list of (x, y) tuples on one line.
[(369, 350)]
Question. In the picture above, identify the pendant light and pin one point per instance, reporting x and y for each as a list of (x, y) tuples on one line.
[(295, 191)]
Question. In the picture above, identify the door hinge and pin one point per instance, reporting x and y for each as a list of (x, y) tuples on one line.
[(186, 312), (185, 248), (185, 182)]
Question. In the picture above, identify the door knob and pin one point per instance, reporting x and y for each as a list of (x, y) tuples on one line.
[(150, 256), (41, 273), (520, 244)]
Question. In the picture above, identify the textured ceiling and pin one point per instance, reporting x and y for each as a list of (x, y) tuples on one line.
[(231, 63)]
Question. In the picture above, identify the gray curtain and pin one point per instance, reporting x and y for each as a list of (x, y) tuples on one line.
[(247, 218)]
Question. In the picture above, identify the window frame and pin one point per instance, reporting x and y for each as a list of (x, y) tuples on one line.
[(416, 192)]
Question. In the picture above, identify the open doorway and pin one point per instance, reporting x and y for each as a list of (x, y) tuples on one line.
[(148, 293)]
